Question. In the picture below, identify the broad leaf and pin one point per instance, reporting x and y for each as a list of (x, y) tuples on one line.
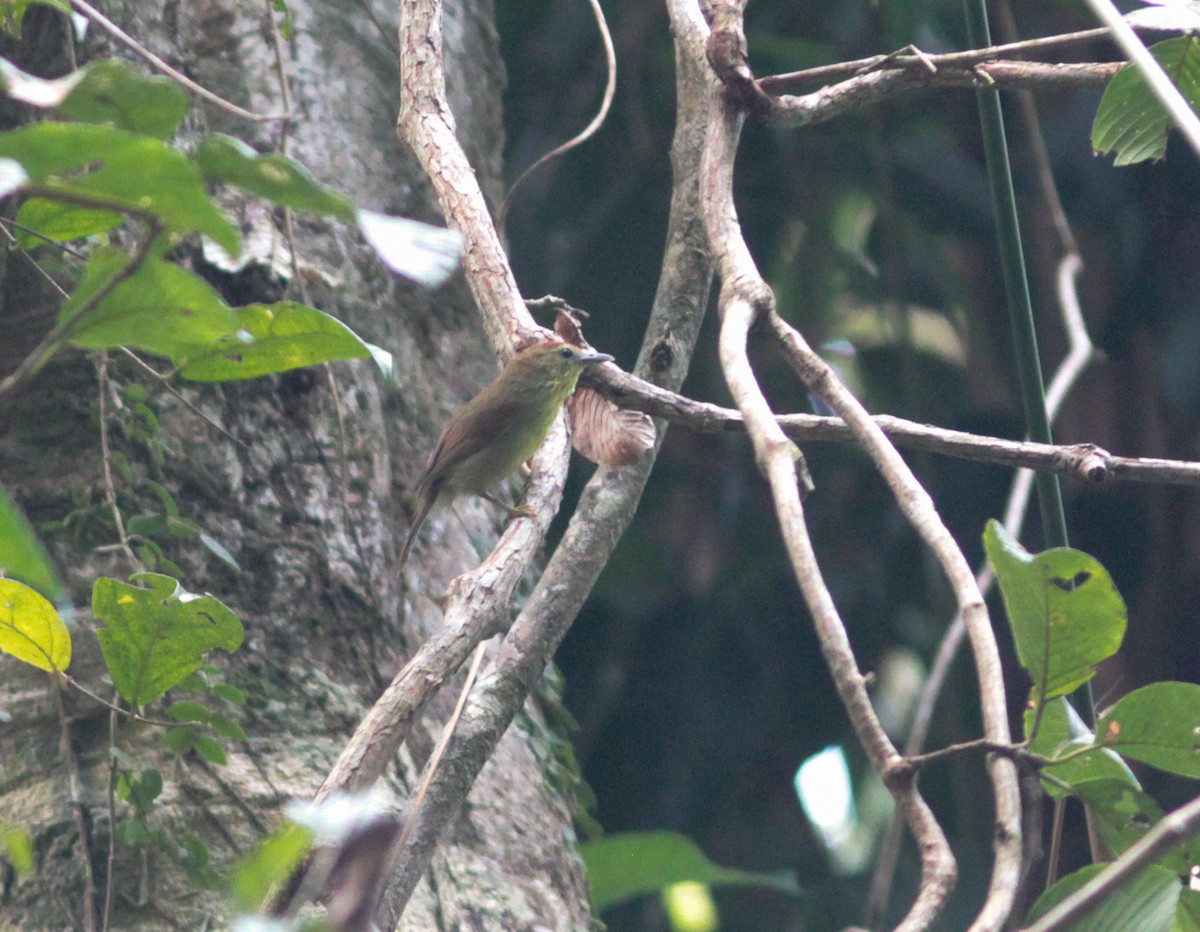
[(112, 92), (270, 175), (1130, 121), (1065, 613), (1159, 725), (623, 866), (280, 337), (154, 637), (22, 556), (30, 628), (162, 308), (1147, 902), (120, 170)]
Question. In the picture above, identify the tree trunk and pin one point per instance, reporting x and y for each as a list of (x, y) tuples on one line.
[(306, 479)]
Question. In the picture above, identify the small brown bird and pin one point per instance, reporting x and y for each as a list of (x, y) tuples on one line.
[(501, 427)]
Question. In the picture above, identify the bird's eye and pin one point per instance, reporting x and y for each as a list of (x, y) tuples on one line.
[(566, 352)]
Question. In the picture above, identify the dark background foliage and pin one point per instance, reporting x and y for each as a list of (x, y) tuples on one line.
[(693, 671)]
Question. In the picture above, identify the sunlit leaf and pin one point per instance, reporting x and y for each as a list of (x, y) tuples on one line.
[(155, 636), (121, 171), (274, 338), (30, 628), (162, 308)]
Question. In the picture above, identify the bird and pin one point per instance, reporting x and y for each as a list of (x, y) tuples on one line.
[(500, 428)]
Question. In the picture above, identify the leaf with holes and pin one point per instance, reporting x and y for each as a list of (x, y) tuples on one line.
[(155, 635), (1065, 613)]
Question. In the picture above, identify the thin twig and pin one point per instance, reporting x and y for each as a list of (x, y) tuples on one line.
[(947, 59), (83, 823), (610, 88), (110, 489), (178, 76)]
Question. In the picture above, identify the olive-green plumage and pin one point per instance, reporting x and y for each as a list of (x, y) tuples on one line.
[(501, 427)]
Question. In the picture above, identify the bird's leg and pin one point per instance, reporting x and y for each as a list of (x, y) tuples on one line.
[(513, 511)]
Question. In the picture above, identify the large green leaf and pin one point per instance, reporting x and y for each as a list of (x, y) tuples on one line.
[(631, 864), (112, 92), (1065, 613), (108, 91), (1062, 735), (31, 630), (1147, 902), (154, 637), (1130, 121), (22, 556), (282, 336), (116, 169), (161, 308), (1159, 725), (270, 175)]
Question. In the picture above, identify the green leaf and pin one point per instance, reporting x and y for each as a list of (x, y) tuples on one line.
[(230, 694), (269, 866), (188, 712), (179, 740), (31, 630), (1062, 733), (210, 749), (226, 727), (1124, 814), (1130, 121), (1146, 902), (270, 175), (631, 864), (16, 847), (1159, 725), (121, 171), (160, 308), (112, 92), (1065, 613), (60, 222), (155, 636), (280, 337), (22, 556)]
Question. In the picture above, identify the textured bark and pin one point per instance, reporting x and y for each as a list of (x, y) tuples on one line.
[(312, 516)]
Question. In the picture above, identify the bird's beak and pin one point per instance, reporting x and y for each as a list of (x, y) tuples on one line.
[(590, 358)]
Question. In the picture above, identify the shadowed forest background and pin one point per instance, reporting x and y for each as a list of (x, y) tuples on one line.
[(698, 687), (693, 671)]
